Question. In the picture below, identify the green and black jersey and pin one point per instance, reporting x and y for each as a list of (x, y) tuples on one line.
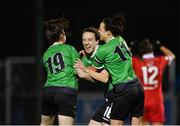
[(116, 58), (58, 61), (88, 61)]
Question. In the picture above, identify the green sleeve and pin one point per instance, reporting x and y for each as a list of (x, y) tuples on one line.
[(99, 59), (75, 54)]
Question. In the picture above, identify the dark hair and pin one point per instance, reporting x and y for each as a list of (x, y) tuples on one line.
[(55, 27), (115, 24), (53, 31), (62, 21), (146, 46), (93, 30)]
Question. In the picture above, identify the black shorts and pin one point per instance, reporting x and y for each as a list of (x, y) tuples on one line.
[(56, 102), (103, 113), (128, 100)]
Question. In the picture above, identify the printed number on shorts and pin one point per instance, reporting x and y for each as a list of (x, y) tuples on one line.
[(107, 112), (55, 63), (150, 74), (121, 50)]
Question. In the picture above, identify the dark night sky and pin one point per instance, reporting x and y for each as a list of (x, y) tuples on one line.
[(153, 18)]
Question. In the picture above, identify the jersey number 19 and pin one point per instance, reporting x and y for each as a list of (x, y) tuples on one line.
[(55, 63)]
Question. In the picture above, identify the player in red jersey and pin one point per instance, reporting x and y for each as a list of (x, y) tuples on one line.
[(149, 69)]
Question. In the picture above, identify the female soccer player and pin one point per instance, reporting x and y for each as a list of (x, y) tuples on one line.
[(60, 90), (90, 41), (115, 57), (150, 68)]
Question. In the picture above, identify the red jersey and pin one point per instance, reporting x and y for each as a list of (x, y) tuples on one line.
[(150, 72)]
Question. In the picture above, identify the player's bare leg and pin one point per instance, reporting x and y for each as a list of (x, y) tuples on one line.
[(65, 120), (116, 122), (94, 123), (104, 124), (136, 121), (47, 120)]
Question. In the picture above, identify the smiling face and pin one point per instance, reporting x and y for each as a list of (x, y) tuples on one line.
[(89, 42)]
